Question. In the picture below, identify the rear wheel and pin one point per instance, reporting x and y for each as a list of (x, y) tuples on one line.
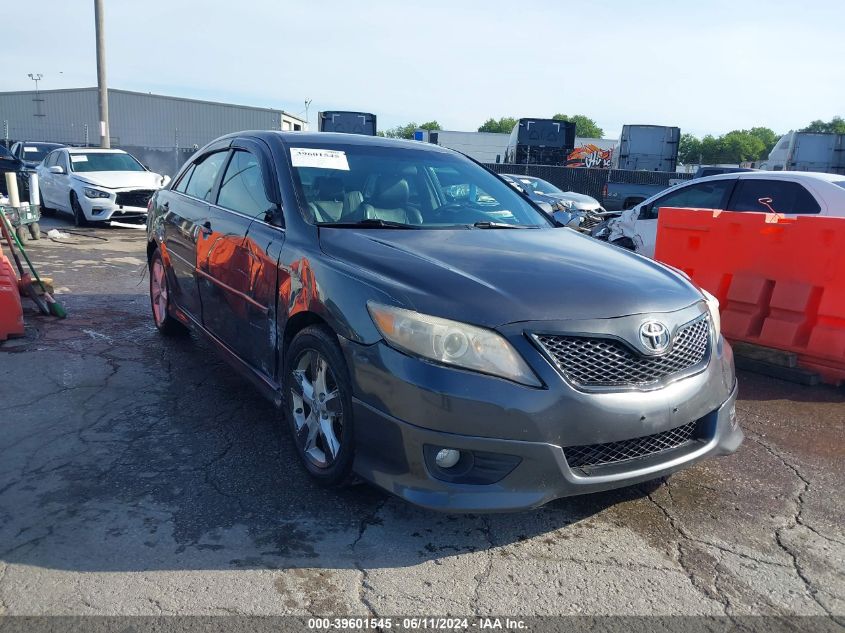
[(35, 231), (78, 213), (22, 232), (160, 299), (319, 406)]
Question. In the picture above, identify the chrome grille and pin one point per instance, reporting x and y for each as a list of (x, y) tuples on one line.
[(136, 198), (613, 452), (603, 362)]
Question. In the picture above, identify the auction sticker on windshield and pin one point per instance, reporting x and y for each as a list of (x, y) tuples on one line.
[(320, 158), (78, 158)]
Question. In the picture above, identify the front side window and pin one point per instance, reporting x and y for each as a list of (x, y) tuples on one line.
[(103, 161), (418, 188), (773, 196), (702, 195), (242, 187), (201, 182)]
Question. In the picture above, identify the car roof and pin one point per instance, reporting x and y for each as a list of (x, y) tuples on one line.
[(93, 150), (41, 143), (327, 138), (772, 175)]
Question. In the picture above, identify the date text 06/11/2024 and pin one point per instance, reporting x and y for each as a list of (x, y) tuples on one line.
[(416, 623)]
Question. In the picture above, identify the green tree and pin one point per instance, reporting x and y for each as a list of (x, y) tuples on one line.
[(689, 149), (585, 127), (769, 138), (407, 130), (739, 146), (835, 126), (503, 126)]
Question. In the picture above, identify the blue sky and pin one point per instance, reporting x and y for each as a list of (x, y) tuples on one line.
[(706, 66)]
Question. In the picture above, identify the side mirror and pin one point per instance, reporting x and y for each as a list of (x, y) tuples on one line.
[(567, 218), (57, 169)]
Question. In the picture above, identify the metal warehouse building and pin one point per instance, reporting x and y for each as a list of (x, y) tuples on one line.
[(160, 131)]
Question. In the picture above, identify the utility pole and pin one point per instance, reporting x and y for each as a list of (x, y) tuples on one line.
[(307, 105), (36, 77), (103, 93)]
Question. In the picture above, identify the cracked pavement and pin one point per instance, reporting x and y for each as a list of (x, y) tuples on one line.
[(141, 476)]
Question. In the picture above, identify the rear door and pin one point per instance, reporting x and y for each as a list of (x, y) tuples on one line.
[(184, 210), (238, 257), (769, 195)]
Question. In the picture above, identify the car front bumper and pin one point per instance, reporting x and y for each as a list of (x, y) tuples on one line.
[(107, 209), (405, 409)]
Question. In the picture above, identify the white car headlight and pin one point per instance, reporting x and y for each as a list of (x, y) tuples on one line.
[(451, 343), (95, 193), (713, 307)]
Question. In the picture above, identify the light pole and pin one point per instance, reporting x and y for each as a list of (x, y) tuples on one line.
[(307, 105), (103, 93), (36, 77)]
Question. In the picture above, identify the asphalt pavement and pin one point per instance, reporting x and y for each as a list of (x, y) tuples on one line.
[(142, 476)]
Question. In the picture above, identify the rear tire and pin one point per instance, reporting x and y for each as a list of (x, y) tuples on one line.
[(78, 214), (160, 299), (35, 230), (22, 232), (318, 403)]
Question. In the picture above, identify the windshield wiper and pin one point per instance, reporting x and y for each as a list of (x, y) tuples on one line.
[(501, 225), (371, 222)]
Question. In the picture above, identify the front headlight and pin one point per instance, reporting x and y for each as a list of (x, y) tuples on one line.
[(95, 193), (713, 307), (451, 343)]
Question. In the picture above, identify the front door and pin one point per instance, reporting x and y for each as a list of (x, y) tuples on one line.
[(237, 263)]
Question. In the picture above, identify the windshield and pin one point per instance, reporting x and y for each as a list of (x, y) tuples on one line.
[(36, 152), (536, 185), (404, 187), (97, 161)]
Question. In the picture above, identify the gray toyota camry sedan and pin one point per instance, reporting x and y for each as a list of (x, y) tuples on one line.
[(423, 326)]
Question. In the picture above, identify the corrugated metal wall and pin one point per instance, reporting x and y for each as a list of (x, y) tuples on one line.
[(137, 119)]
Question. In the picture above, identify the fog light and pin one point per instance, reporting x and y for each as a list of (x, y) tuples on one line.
[(447, 457)]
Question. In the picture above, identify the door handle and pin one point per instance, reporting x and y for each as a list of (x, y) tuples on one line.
[(206, 227)]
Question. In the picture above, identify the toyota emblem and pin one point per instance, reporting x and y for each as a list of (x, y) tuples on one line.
[(654, 336)]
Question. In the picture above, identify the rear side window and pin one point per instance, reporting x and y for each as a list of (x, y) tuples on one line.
[(702, 195), (779, 196), (242, 188), (201, 183)]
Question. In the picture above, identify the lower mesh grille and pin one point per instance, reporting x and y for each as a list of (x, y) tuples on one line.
[(613, 452)]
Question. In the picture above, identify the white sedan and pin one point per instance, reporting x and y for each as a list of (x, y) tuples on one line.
[(96, 185), (790, 193)]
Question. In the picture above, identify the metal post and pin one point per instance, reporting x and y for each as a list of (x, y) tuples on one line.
[(105, 137)]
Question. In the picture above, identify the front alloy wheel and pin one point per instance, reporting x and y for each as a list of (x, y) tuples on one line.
[(319, 406)]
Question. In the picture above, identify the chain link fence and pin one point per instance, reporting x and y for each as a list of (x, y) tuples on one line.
[(588, 181)]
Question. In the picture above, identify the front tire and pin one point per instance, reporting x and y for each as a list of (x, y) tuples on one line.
[(35, 230), (78, 214), (160, 299), (318, 398)]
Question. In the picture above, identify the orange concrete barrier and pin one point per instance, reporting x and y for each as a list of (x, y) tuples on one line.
[(11, 313), (780, 282)]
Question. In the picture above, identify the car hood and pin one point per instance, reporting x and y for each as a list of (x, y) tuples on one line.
[(120, 179), (494, 277)]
